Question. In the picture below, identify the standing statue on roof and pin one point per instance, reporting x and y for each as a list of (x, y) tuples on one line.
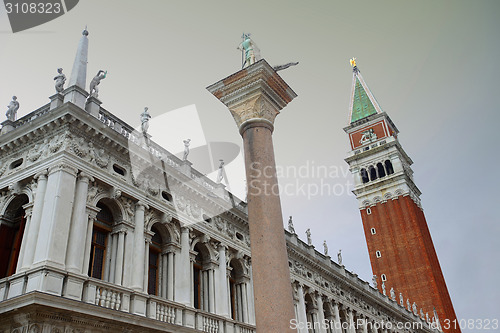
[(339, 257), (374, 281), (12, 109), (145, 116), (250, 51), (290, 226), (393, 294), (186, 149), (308, 235), (325, 248), (94, 91), (60, 80)]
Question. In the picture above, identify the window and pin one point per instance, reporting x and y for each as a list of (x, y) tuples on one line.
[(388, 167), (11, 235), (373, 231), (378, 254), (368, 211), (16, 163), (373, 172), (383, 277), (380, 170), (99, 242), (364, 176), (118, 169), (165, 195), (153, 264), (203, 274)]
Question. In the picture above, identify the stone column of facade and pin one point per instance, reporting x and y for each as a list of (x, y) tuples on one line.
[(251, 306), (28, 210), (183, 271), (170, 275), (337, 323), (119, 257), (79, 224), (255, 95), (138, 254), (301, 310), (350, 318), (164, 273), (364, 325), (88, 241), (321, 314), (112, 263), (221, 278), (36, 217), (51, 246), (146, 264)]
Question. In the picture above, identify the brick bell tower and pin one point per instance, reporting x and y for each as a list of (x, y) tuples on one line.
[(400, 246)]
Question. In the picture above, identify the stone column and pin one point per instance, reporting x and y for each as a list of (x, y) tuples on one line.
[(138, 254), (321, 314), (36, 217), (51, 246), (221, 278), (365, 324), (79, 224), (251, 306), (28, 209), (88, 242), (119, 257), (164, 273), (337, 322), (146, 265), (170, 276), (244, 301), (211, 290), (301, 310), (255, 95), (183, 278), (352, 324)]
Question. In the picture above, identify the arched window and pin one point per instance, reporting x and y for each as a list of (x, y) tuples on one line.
[(238, 292), (203, 279), (154, 262), (373, 172), (380, 170), (99, 242), (388, 167), (12, 225), (364, 176)]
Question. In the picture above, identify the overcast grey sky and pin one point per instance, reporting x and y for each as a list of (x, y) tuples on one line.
[(432, 65)]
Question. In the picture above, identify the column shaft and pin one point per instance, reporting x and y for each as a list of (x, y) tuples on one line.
[(221, 279), (119, 257), (170, 276), (321, 314), (138, 254), (183, 276), (301, 309), (88, 243)]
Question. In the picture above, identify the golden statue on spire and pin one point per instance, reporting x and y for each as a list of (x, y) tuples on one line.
[(353, 62)]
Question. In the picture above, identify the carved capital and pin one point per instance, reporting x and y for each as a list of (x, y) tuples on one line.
[(254, 110), (85, 177), (41, 175), (63, 167), (141, 205)]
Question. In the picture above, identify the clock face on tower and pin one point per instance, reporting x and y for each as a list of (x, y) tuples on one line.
[(369, 133)]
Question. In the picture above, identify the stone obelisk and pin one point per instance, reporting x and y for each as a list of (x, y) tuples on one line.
[(254, 96)]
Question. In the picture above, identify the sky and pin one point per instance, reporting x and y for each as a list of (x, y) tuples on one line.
[(431, 65)]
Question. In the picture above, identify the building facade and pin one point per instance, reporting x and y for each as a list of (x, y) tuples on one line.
[(103, 230)]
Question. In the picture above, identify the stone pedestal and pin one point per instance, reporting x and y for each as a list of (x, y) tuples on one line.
[(75, 95), (7, 126), (254, 96), (93, 106), (56, 100)]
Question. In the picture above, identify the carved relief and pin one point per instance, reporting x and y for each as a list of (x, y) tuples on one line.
[(128, 205), (256, 108), (98, 156)]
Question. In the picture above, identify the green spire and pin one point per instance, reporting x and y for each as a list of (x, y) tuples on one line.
[(363, 104)]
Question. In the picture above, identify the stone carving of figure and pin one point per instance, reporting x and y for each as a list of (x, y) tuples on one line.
[(368, 136), (250, 51), (339, 257), (145, 116), (12, 109), (60, 80), (401, 300), (325, 248), (427, 317), (308, 234), (220, 175), (414, 308), (290, 225), (408, 304), (94, 91), (374, 281), (383, 288), (186, 149), (421, 313), (393, 294)]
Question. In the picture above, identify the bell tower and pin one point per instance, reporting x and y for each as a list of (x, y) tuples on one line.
[(400, 246)]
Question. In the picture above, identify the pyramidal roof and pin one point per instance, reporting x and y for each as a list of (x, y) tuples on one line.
[(362, 103)]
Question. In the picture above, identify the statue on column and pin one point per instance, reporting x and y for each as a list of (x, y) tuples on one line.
[(250, 51), (12, 109), (401, 299), (94, 91), (393, 294), (145, 116), (60, 79), (325, 248), (339, 257), (290, 226), (308, 234), (374, 281), (186, 149)]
